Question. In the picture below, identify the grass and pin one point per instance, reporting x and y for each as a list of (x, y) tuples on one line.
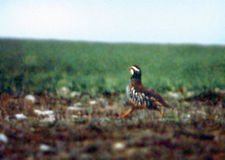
[(43, 66)]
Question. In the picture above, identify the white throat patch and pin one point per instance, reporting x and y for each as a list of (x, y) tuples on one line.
[(132, 71)]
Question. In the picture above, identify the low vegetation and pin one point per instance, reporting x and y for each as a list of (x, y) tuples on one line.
[(44, 66)]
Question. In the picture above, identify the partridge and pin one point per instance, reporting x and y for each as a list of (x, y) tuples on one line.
[(141, 97)]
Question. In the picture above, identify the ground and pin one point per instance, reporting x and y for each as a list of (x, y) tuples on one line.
[(87, 127)]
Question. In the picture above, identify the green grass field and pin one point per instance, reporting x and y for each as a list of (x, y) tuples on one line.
[(38, 66)]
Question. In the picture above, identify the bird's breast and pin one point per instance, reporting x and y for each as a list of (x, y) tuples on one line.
[(138, 98)]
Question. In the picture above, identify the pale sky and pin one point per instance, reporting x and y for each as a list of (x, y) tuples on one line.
[(147, 21)]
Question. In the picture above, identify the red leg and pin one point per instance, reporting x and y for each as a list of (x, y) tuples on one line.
[(130, 110), (161, 113)]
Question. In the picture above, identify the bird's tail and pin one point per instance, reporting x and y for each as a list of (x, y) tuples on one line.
[(166, 105), (163, 103), (161, 100)]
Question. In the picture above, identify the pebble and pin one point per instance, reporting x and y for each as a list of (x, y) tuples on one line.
[(190, 94), (20, 116), (93, 102), (73, 108), (64, 92), (174, 95), (75, 116), (75, 94), (49, 113), (46, 112), (3, 138), (119, 146), (30, 98), (44, 147), (188, 116)]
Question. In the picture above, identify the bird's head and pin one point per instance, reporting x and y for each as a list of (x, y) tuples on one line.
[(135, 72)]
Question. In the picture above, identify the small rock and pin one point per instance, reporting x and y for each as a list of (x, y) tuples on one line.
[(20, 116), (44, 147), (3, 138), (46, 112), (30, 99), (190, 94), (119, 146), (50, 115), (75, 94), (75, 116), (93, 102), (217, 90), (74, 108), (188, 116), (64, 92), (174, 95)]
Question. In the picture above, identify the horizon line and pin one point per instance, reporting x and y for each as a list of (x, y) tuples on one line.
[(111, 42)]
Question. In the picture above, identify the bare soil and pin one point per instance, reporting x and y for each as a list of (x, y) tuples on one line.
[(88, 127)]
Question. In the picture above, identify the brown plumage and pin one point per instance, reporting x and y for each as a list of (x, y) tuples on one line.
[(141, 97)]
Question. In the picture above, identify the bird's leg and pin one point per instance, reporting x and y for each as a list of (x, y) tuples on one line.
[(130, 110), (158, 108), (161, 113)]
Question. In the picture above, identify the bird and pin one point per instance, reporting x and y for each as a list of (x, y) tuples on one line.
[(140, 97)]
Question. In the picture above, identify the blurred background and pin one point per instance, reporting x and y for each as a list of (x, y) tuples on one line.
[(88, 45)]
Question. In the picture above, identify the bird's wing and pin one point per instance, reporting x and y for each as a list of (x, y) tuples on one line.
[(153, 96)]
